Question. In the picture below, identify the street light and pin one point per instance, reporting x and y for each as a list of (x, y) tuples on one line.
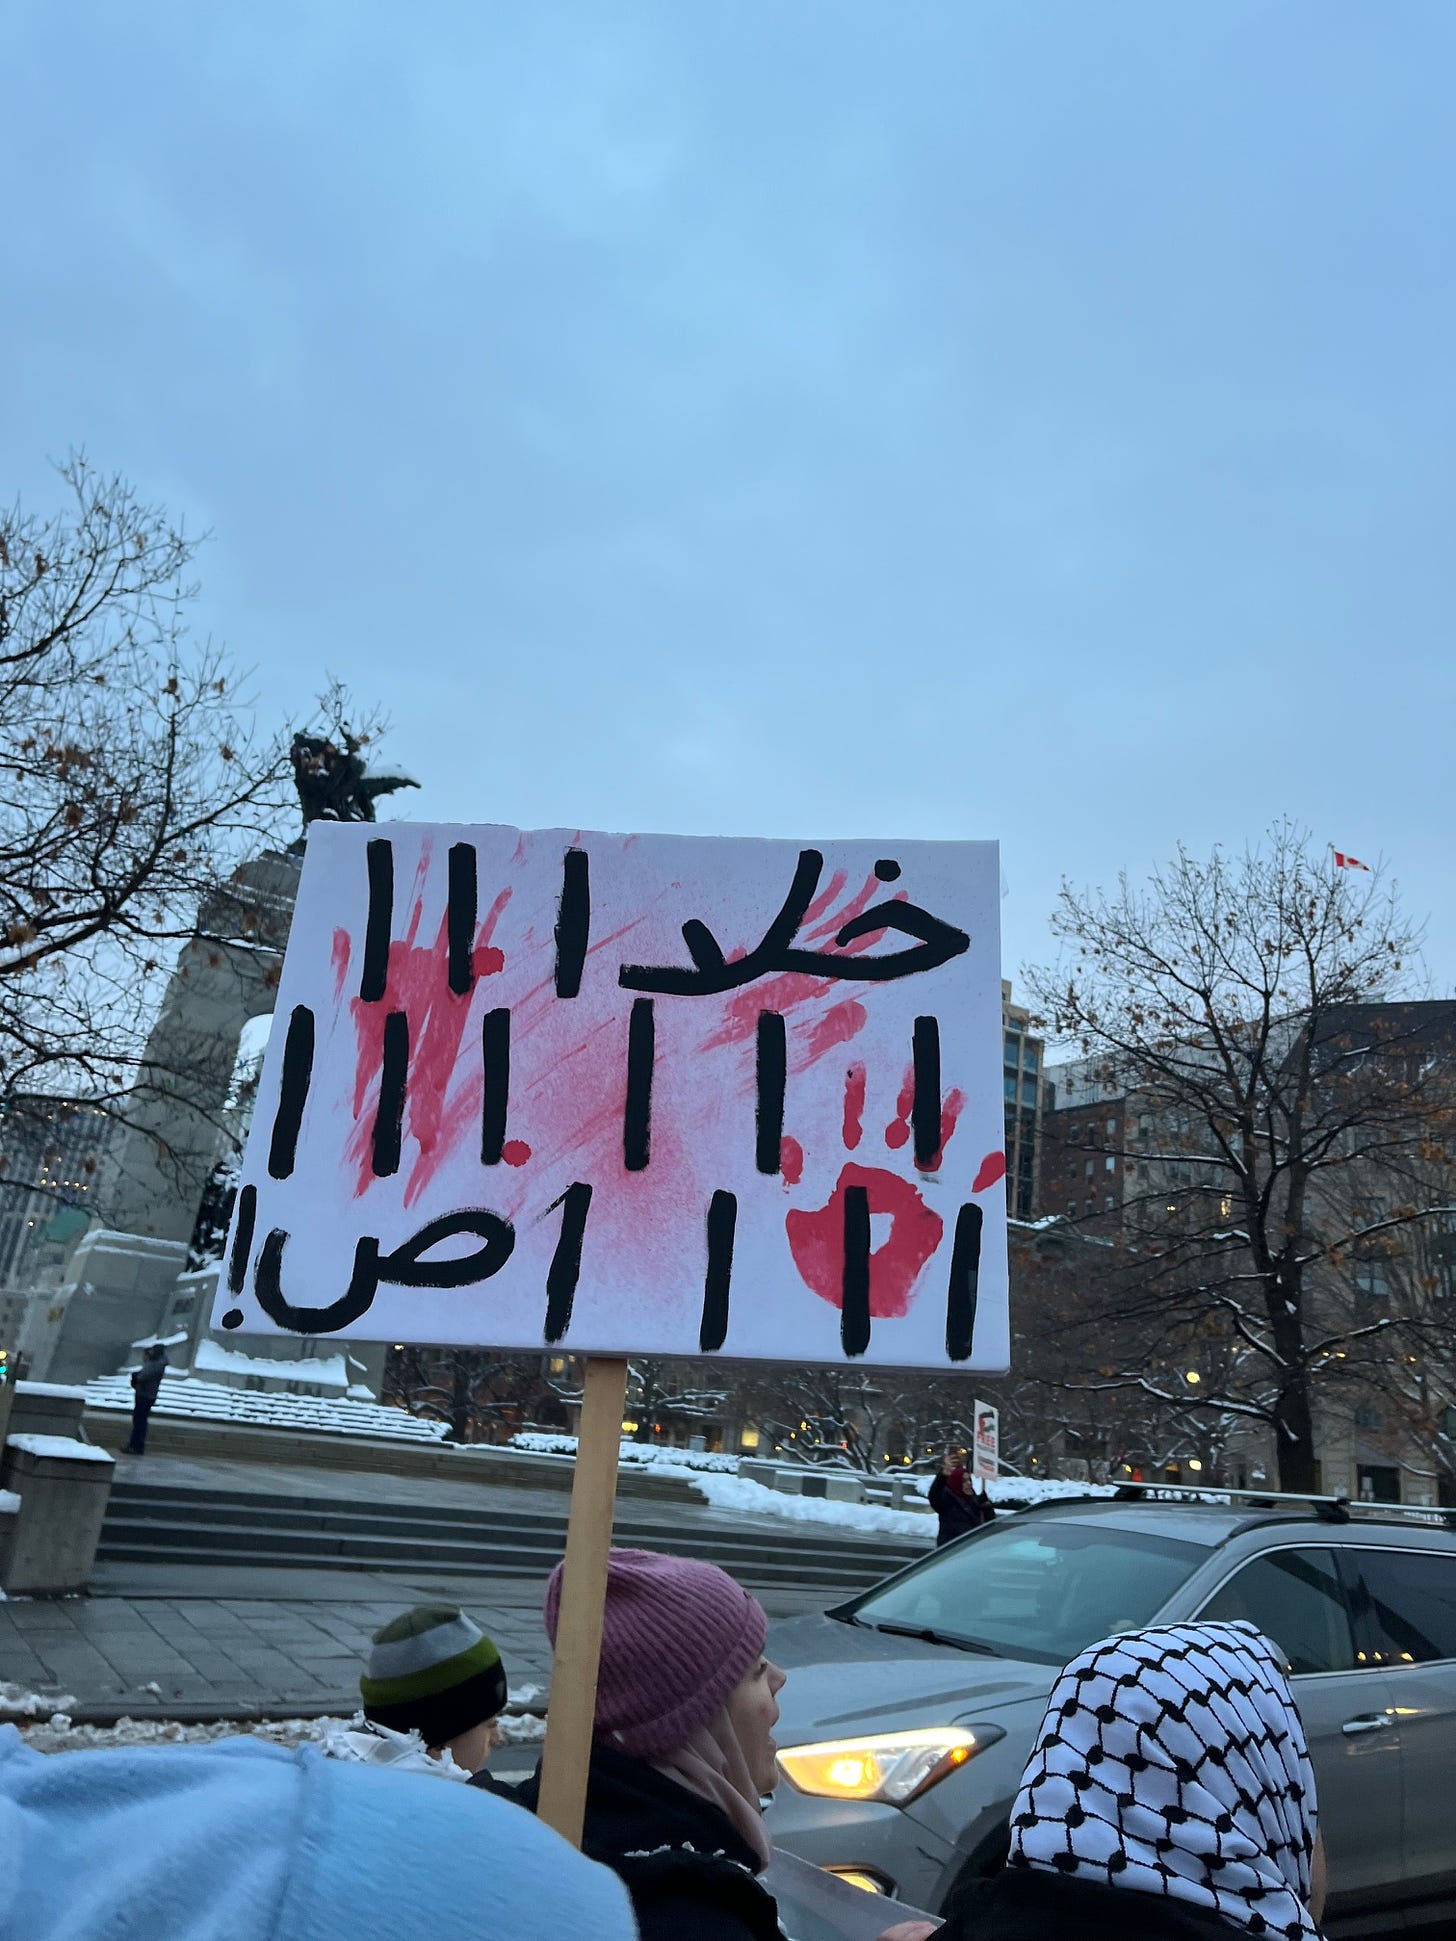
[(1193, 1377)]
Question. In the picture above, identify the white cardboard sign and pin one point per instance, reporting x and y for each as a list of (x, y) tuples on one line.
[(633, 1094), (986, 1456)]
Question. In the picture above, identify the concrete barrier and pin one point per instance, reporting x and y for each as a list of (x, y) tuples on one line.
[(46, 1409), (63, 1486)]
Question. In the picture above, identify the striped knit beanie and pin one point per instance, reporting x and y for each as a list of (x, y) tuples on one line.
[(677, 1636), (435, 1672)]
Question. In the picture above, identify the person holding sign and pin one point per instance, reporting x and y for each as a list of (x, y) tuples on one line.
[(956, 1505), (683, 1752)]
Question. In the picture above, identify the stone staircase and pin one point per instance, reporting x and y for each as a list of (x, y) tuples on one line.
[(151, 1523)]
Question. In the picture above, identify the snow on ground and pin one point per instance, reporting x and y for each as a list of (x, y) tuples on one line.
[(65, 1447), (753, 1499), (54, 1731), (17, 1703), (325, 1371), (212, 1402), (640, 1455)]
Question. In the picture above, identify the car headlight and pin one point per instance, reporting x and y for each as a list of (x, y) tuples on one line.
[(894, 1767)]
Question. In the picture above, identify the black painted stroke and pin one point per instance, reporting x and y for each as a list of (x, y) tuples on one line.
[(405, 1266), (565, 1269), (573, 922), (722, 1225), (460, 913), (772, 1072), (854, 1312), (637, 1119), (378, 924), (242, 1246), (292, 1093), (965, 1276), (393, 1077), (495, 1091), (925, 1109)]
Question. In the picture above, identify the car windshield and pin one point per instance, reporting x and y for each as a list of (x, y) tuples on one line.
[(1040, 1589)]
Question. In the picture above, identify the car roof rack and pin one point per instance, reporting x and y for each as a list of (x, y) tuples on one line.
[(1329, 1509)]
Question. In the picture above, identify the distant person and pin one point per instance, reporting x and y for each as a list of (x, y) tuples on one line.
[(256, 1843), (1169, 1797), (957, 1508), (146, 1383), (683, 1755), (434, 1682)]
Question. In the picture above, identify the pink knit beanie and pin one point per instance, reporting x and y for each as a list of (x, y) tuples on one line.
[(677, 1636)]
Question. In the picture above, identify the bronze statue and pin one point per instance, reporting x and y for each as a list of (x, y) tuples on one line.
[(332, 783)]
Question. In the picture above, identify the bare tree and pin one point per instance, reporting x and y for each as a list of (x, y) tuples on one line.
[(1252, 1006), (483, 1395), (131, 779)]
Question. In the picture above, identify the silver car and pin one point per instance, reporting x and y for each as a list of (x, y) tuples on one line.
[(910, 1712)]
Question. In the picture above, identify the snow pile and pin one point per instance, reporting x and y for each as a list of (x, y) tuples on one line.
[(64, 1447), (9, 1503), (640, 1455), (57, 1733), (50, 1388), (753, 1499), (324, 1371), (314, 1414), (17, 1703)]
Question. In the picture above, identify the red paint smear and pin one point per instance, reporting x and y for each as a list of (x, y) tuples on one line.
[(950, 1112), (992, 1168), (857, 904), (825, 898), (791, 1160), (897, 1133), (515, 1152), (740, 1013), (816, 1240), (417, 983), (836, 1027), (340, 956), (854, 1099)]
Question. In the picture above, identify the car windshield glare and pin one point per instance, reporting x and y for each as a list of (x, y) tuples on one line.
[(1040, 1589)]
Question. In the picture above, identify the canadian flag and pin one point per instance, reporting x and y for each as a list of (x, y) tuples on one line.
[(1342, 861)]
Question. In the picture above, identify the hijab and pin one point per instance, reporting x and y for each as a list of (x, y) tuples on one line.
[(713, 1766), (1173, 1761)]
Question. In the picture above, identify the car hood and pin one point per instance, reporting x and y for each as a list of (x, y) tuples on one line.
[(845, 1678)]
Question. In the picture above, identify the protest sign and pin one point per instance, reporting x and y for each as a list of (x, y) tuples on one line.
[(617, 1095), (986, 1456), (612, 1095)]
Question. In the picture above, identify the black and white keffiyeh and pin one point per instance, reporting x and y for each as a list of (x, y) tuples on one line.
[(1173, 1761)]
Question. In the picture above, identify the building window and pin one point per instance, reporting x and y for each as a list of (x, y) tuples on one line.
[(1112, 1128), (1013, 1050), (1109, 1165), (1111, 1203), (1028, 1056), (1071, 1209), (1145, 1125), (1028, 1092), (1010, 1086), (1367, 1416), (1091, 1206), (1087, 1169), (1371, 1284)]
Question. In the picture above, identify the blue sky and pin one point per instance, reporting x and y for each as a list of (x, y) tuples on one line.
[(1029, 418)]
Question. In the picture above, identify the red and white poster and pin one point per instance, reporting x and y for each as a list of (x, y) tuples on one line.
[(986, 1456), (633, 1094)]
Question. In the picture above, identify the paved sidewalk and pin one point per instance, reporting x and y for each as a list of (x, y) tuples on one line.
[(240, 1656)]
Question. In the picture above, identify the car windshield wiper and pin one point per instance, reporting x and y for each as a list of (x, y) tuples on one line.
[(928, 1636)]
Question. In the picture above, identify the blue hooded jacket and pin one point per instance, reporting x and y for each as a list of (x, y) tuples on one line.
[(243, 1841)]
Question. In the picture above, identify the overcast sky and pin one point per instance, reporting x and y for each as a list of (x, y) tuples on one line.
[(1017, 418)]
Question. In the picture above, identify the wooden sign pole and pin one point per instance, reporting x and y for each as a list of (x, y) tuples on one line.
[(567, 1752)]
